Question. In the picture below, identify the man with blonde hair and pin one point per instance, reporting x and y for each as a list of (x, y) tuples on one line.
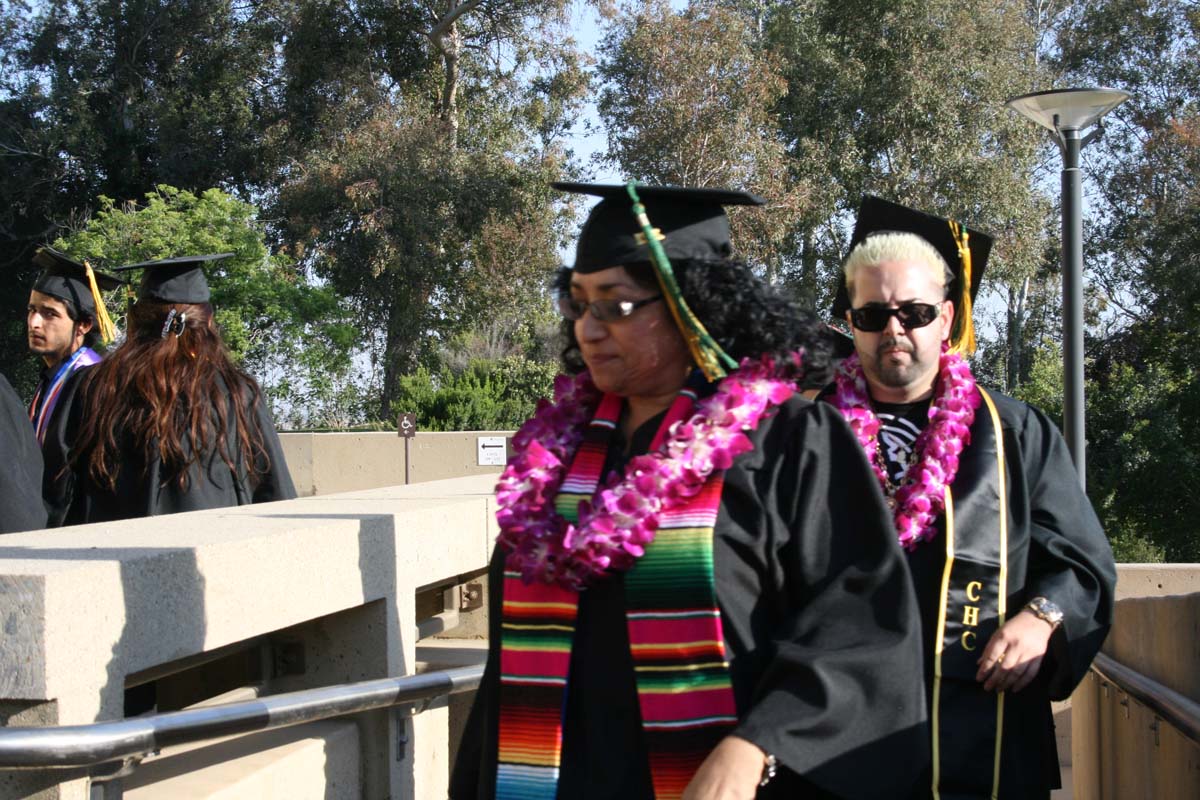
[(1014, 577)]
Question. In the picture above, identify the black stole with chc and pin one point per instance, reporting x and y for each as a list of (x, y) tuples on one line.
[(968, 722)]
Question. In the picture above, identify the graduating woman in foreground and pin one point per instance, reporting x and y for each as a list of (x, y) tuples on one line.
[(696, 591)]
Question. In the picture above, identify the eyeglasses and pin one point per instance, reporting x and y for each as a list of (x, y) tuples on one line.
[(873, 319), (601, 310)]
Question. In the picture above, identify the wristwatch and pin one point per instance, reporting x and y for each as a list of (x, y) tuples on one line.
[(1046, 611)]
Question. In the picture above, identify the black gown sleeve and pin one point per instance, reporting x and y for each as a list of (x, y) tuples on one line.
[(1070, 559), (275, 482), (58, 480), (841, 700), (21, 506)]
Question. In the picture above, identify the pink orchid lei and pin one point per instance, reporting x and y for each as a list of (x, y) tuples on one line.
[(614, 530), (922, 495)]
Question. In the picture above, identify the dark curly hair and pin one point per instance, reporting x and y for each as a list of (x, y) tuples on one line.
[(91, 339), (748, 318)]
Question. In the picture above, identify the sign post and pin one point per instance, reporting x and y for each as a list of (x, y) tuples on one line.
[(406, 428)]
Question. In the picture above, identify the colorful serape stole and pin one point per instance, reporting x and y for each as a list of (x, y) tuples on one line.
[(678, 648), (46, 398)]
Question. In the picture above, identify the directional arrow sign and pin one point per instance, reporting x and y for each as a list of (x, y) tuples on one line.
[(491, 451)]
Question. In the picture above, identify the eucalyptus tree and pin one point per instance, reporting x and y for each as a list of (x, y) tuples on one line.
[(430, 209), (906, 99), (687, 99)]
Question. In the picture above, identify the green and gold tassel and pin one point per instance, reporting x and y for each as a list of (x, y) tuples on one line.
[(713, 361)]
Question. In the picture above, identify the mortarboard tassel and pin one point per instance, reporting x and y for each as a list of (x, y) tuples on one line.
[(108, 331), (962, 335), (708, 355)]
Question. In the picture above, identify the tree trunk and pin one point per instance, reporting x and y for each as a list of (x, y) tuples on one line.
[(401, 343), (451, 46), (1016, 336), (806, 293)]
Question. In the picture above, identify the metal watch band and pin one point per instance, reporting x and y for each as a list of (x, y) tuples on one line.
[(1046, 611), (770, 767)]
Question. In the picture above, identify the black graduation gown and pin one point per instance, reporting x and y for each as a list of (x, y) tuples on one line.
[(820, 626), (1057, 550), (57, 482), (143, 490), (21, 506)]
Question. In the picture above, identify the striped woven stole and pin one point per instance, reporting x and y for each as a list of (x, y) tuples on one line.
[(45, 400), (678, 649)]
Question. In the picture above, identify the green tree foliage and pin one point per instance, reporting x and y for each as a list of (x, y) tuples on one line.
[(425, 238), (1144, 256), (434, 212), (466, 101), (687, 100), (906, 99), (113, 99), (485, 396), (290, 335)]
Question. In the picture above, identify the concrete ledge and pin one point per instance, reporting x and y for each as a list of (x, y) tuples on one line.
[(326, 463), (1157, 580), (82, 608)]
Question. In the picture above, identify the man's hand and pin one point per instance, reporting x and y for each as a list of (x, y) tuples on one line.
[(1014, 654), (731, 772)]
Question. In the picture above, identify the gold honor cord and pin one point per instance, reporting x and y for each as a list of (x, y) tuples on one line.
[(962, 338), (709, 356), (1001, 603), (1002, 599), (107, 330)]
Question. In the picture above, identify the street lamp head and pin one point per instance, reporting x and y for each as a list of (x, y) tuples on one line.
[(1068, 109)]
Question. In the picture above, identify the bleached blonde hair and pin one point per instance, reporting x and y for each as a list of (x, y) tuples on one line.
[(896, 246)]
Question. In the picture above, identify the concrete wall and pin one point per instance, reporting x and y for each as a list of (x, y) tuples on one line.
[(83, 608), (327, 463), (1120, 749)]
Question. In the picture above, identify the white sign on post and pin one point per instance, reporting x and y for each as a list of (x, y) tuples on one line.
[(491, 451)]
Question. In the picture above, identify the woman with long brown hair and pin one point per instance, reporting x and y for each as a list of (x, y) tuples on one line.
[(167, 422)]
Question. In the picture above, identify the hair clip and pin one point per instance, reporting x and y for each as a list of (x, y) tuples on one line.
[(175, 325), (166, 328)]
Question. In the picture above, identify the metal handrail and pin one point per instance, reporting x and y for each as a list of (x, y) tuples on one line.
[(1181, 712), (105, 742)]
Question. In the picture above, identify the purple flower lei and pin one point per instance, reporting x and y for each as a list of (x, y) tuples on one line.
[(615, 529), (922, 495)]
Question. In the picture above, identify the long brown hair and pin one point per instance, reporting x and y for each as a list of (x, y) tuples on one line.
[(161, 390)]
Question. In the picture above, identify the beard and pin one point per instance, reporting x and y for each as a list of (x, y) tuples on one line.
[(892, 368)]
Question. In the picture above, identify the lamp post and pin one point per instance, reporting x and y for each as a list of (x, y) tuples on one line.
[(1067, 113)]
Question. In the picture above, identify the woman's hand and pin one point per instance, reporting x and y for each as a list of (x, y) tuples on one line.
[(731, 772)]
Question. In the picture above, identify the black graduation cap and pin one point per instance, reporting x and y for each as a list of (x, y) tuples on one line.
[(878, 216), (690, 223), (174, 280), (661, 225), (67, 279)]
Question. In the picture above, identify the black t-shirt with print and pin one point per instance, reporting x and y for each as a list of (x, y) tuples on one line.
[(899, 426)]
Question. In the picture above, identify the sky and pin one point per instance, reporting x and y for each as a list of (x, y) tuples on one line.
[(586, 27)]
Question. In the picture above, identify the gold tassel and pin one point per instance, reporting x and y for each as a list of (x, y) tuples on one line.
[(108, 331), (962, 335)]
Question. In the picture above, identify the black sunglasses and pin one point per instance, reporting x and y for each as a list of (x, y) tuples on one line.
[(873, 319), (601, 310)]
